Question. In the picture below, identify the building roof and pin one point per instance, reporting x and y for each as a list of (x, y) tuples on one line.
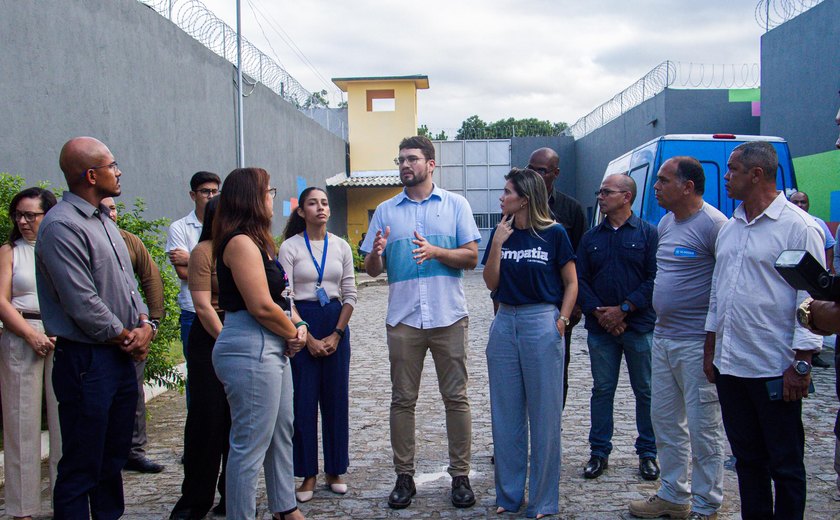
[(365, 180), (420, 81)]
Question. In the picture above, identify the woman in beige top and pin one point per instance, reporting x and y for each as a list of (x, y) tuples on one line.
[(26, 357), (320, 269)]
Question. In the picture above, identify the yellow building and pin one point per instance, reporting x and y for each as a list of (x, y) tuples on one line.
[(380, 112)]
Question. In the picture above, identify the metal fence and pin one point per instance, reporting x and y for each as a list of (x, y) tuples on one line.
[(199, 22), (772, 13), (664, 75)]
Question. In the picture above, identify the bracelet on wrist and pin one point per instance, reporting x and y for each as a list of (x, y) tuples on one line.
[(301, 322), (340, 332)]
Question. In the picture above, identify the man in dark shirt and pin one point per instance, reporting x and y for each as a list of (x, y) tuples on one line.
[(616, 264), (566, 211), (89, 300), (147, 272)]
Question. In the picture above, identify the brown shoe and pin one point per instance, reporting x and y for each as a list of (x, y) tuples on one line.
[(655, 507)]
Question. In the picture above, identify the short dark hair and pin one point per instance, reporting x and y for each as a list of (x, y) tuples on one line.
[(47, 201), (690, 169), (420, 142), (759, 154), (201, 177)]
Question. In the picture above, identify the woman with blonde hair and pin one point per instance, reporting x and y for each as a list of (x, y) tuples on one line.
[(26, 360), (251, 355), (530, 264)]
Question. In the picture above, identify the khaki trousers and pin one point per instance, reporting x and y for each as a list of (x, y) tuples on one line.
[(407, 350), (23, 376)]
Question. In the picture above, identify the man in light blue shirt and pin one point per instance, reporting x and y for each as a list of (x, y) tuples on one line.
[(426, 237)]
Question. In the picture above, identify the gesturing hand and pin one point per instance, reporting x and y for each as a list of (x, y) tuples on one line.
[(425, 250), (504, 229), (381, 241)]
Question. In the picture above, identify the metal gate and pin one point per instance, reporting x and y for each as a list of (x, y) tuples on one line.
[(475, 169)]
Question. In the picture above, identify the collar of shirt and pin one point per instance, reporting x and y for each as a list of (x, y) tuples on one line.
[(192, 220), (772, 211), (633, 221), (436, 193), (84, 207)]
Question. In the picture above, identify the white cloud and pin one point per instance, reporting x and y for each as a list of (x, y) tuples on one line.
[(500, 58)]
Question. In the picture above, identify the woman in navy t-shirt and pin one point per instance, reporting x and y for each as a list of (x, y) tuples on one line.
[(530, 264)]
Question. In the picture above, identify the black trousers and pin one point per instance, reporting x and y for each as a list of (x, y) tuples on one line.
[(207, 430), (97, 394), (768, 442)]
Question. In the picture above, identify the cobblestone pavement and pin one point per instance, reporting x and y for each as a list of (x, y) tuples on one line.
[(371, 476)]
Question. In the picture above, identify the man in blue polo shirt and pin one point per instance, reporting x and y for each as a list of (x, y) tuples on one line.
[(426, 237), (616, 269)]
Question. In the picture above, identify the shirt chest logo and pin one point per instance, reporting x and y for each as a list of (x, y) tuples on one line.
[(529, 254), (685, 252)]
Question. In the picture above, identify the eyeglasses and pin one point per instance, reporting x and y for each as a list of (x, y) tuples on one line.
[(273, 192), (411, 159), (603, 192), (30, 216), (113, 165), (208, 192)]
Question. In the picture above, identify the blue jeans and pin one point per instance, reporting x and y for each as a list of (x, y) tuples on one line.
[(525, 364), (186, 321), (605, 353)]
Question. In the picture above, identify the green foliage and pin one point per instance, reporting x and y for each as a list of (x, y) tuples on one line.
[(475, 128), (160, 366), (424, 131), (317, 99)]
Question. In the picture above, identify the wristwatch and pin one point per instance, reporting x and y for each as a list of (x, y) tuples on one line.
[(152, 324), (802, 367), (625, 307), (566, 321), (806, 319)]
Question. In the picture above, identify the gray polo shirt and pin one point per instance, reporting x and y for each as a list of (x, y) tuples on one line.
[(685, 261), (86, 286)]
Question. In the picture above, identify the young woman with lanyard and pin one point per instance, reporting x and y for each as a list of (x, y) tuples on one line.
[(320, 270)]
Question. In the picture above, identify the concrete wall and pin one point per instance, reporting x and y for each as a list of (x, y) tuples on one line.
[(669, 112), (163, 103), (800, 79)]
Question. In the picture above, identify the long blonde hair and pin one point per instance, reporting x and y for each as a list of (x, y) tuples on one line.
[(528, 183)]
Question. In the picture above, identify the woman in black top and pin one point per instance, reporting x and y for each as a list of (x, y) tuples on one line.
[(251, 356)]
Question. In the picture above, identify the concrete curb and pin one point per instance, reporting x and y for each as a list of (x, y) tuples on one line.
[(151, 391)]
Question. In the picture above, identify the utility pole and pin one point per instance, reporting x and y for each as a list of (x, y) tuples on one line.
[(240, 120)]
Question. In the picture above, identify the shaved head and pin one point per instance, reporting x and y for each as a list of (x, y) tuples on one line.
[(79, 154), (625, 182), (547, 155)]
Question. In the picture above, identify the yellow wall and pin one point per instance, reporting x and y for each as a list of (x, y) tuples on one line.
[(375, 136), (359, 201)]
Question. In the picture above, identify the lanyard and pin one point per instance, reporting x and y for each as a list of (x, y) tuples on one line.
[(318, 268)]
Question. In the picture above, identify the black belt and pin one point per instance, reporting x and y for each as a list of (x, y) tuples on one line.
[(30, 315)]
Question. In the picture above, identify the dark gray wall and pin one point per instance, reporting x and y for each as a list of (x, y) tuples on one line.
[(669, 112), (800, 78), (522, 147), (163, 103)]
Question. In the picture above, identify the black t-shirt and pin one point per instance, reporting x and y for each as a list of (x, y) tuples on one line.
[(230, 299)]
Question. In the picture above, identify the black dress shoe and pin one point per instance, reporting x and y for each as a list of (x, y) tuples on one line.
[(143, 465), (400, 497), (595, 467), (462, 493), (648, 468)]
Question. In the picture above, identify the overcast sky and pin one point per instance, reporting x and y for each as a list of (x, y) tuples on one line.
[(549, 59)]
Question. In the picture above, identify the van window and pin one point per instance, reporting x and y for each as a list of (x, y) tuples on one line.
[(640, 175), (712, 193)]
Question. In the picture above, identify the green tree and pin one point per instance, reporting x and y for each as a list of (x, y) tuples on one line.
[(317, 99), (475, 128), (472, 127), (424, 131)]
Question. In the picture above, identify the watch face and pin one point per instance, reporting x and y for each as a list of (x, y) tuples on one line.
[(625, 307), (802, 316), (802, 367)]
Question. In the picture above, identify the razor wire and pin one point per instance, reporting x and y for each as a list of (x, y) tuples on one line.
[(194, 18), (772, 13), (667, 74)]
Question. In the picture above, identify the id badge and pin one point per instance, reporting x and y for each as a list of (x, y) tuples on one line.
[(323, 299)]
